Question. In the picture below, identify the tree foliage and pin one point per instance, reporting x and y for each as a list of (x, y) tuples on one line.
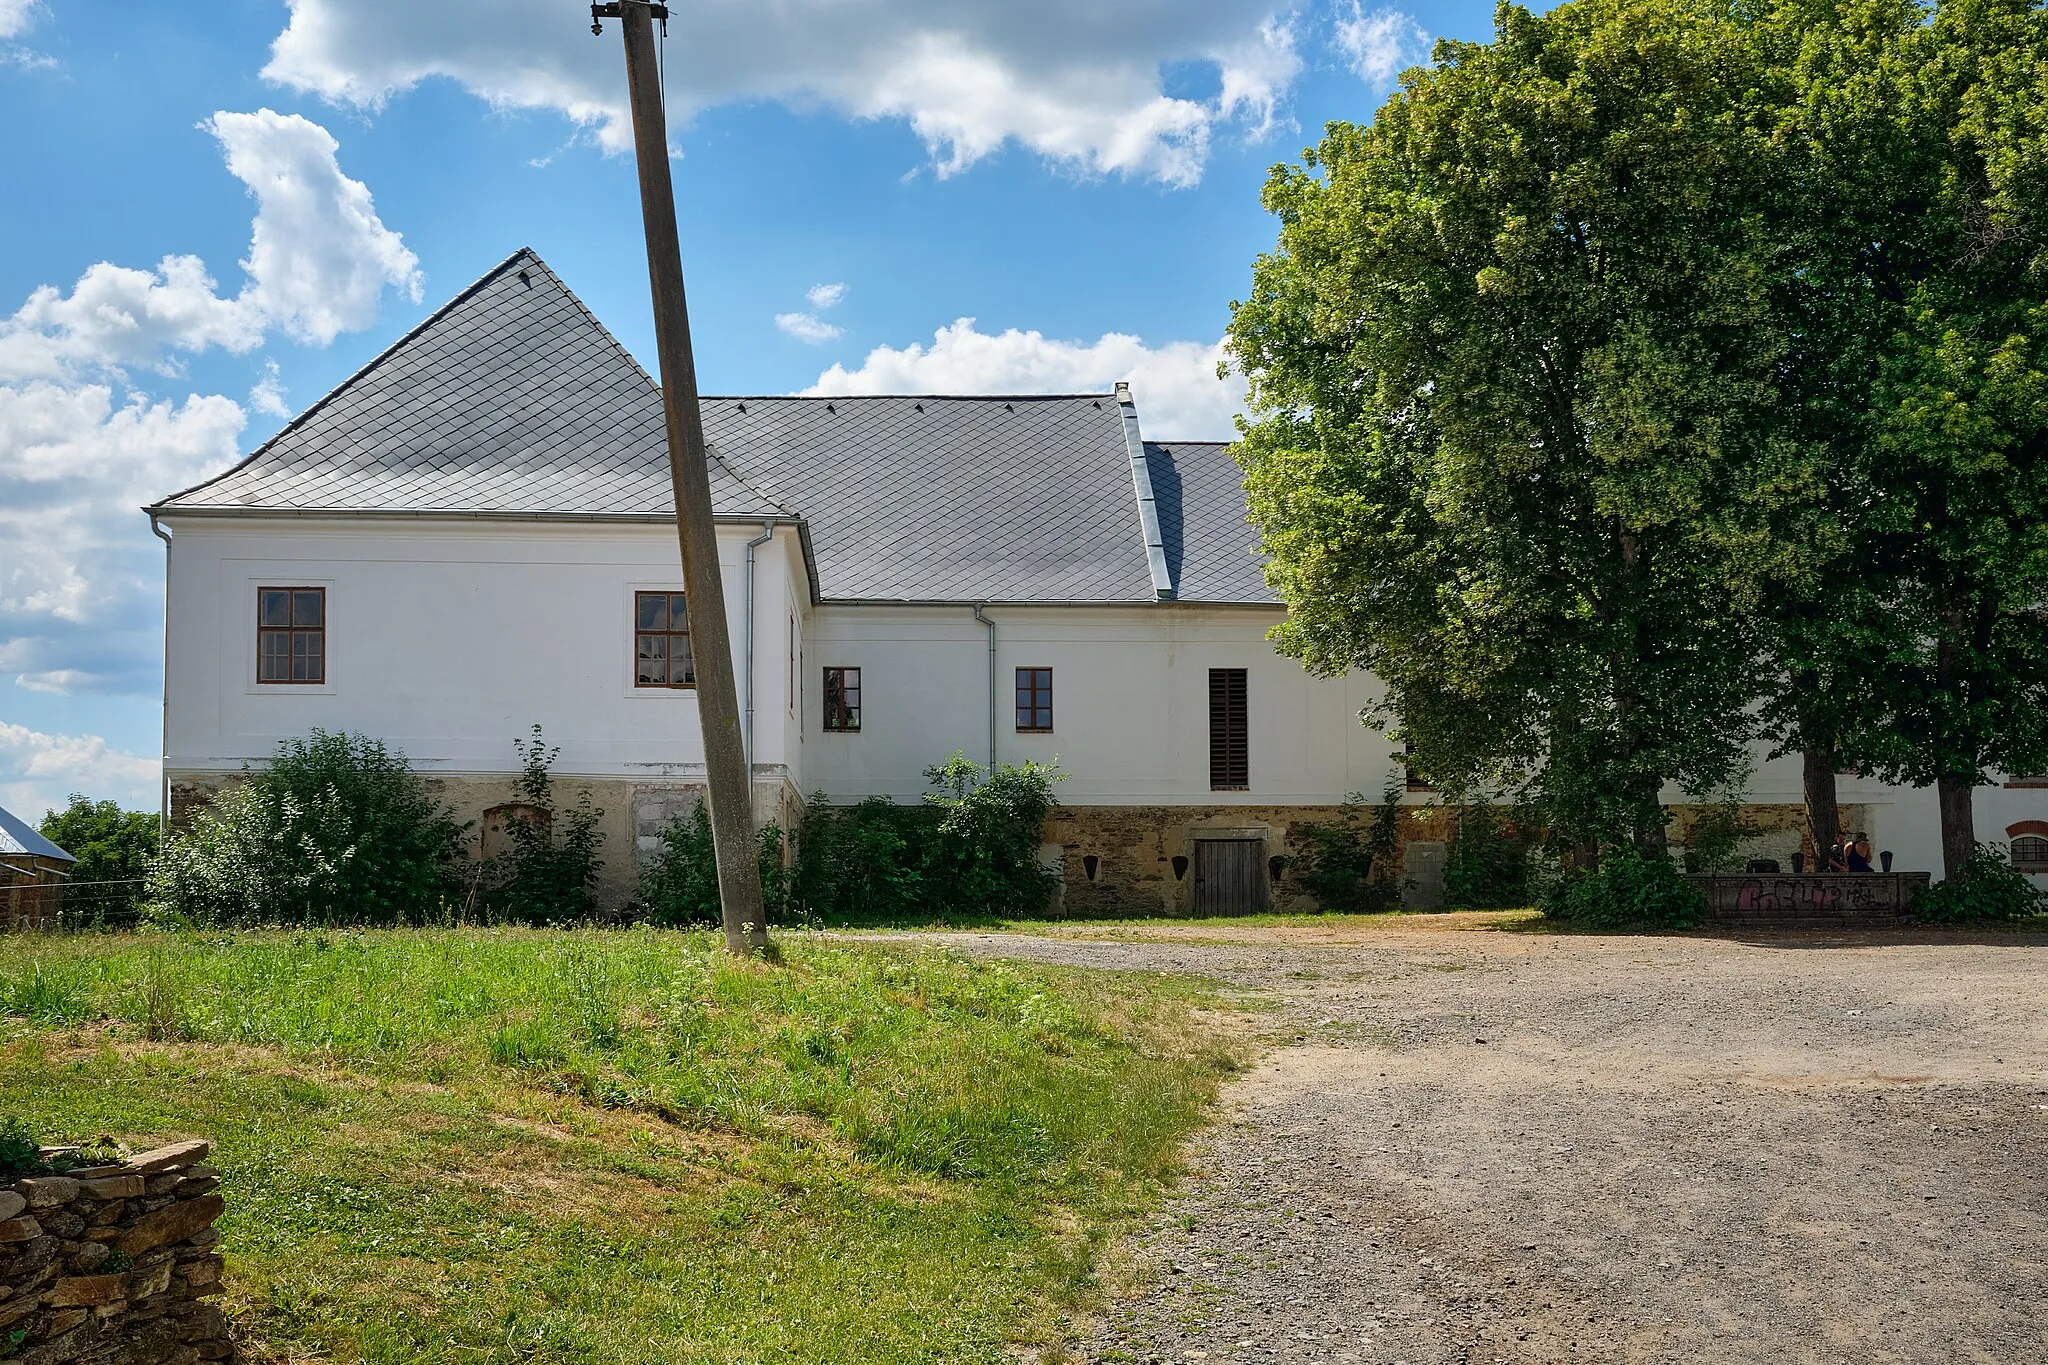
[(113, 847), (1512, 365), (1667, 370)]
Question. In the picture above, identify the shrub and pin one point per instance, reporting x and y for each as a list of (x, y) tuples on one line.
[(114, 848), (1987, 888), (984, 854), (679, 885), (1628, 892), (338, 829), (550, 874), (1336, 861), (971, 848), (1488, 864), (862, 863)]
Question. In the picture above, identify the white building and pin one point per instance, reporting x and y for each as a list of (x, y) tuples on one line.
[(475, 534)]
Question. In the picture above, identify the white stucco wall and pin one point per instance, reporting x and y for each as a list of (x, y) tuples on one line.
[(1130, 703), (449, 639)]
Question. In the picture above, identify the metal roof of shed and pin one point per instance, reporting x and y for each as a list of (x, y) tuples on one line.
[(17, 836), (514, 401)]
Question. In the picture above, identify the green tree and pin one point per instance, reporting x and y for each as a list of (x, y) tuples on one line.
[(113, 847), (1513, 367), (1961, 402)]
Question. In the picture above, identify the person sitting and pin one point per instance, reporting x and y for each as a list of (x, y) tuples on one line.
[(1857, 853), (1838, 856)]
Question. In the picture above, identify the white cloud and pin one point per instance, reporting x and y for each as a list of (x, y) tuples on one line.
[(83, 446), (319, 261), (1178, 394), (319, 258), (808, 327), (38, 772), (16, 16), (1076, 81), (1379, 45), (267, 395)]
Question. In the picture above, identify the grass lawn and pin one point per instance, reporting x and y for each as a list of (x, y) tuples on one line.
[(511, 1145)]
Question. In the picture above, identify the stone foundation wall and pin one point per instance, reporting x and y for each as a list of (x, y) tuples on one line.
[(112, 1265), (1144, 855)]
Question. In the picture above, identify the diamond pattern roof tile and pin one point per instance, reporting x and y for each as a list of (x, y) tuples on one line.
[(513, 400)]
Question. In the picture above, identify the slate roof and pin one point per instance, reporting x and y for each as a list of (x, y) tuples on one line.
[(1211, 545), (514, 401), (17, 836)]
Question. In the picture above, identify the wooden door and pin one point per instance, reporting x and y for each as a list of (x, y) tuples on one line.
[(1230, 876)]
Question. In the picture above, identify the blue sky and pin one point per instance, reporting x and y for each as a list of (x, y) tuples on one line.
[(854, 178)]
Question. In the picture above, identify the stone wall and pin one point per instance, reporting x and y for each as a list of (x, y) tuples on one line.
[(112, 1265), (1143, 856)]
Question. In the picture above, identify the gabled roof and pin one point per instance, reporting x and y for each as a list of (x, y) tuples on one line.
[(17, 836), (514, 401), (933, 499)]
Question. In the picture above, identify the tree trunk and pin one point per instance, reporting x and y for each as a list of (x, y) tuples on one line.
[(1823, 811), (1957, 795)]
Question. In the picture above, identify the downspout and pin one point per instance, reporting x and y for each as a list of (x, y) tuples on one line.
[(991, 683), (767, 534), (163, 814)]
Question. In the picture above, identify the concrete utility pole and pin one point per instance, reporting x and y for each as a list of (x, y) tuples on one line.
[(729, 784)]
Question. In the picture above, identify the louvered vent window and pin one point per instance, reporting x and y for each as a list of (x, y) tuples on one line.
[(1229, 731)]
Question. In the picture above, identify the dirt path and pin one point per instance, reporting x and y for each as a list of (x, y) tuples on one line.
[(1496, 1147)]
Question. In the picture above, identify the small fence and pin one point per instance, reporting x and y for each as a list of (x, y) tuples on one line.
[(56, 906)]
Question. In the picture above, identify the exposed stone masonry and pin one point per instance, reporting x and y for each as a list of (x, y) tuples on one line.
[(112, 1265)]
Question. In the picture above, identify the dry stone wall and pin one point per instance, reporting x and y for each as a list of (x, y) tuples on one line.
[(113, 1265)]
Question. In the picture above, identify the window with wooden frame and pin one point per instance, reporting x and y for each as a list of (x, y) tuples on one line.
[(1034, 701), (842, 700), (2030, 853), (291, 635), (1229, 731), (661, 641), (1416, 782)]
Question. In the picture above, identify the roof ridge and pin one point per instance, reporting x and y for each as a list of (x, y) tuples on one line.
[(289, 427), (874, 397)]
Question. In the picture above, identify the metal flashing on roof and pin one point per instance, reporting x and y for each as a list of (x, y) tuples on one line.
[(1148, 507)]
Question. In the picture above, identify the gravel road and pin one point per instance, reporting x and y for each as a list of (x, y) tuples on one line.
[(1507, 1147)]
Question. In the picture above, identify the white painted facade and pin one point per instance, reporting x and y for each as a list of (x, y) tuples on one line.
[(450, 637)]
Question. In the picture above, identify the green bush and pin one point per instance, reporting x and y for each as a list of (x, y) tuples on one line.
[(1987, 889), (550, 874), (970, 849), (114, 848), (983, 856), (338, 829), (679, 885), (1628, 892), (862, 863), (1488, 864), (1335, 861)]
